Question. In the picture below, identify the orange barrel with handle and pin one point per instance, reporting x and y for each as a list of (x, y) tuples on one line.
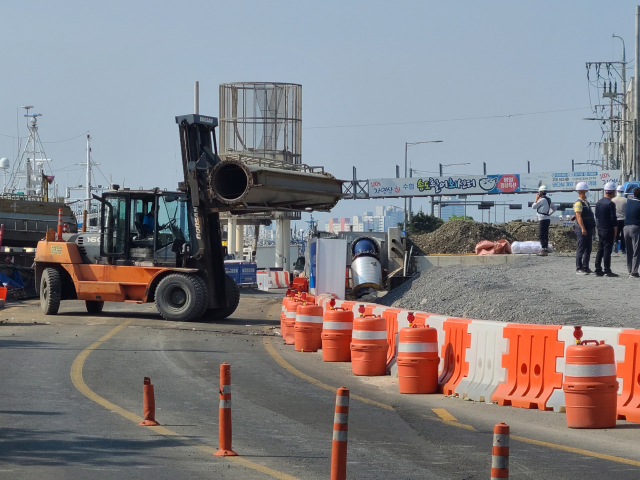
[(288, 326), (590, 386), (308, 328), (418, 360), (369, 346), (336, 335)]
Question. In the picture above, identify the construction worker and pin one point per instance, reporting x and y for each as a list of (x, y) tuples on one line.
[(544, 209), (632, 233), (607, 223), (621, 203), (585, 226)]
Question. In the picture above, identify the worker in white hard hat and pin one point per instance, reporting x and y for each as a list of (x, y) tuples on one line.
[(607, 224), (621, 202), (544, 209), (585, 226)]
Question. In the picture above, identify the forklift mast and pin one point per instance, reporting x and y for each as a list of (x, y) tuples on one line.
[(199, 156)]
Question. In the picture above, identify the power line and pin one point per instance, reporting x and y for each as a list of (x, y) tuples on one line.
[(448, 119)]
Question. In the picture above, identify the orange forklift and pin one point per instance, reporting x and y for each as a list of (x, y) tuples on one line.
[(153, 246)]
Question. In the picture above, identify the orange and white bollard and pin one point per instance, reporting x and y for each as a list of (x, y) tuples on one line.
[(224, 413), (500, 451), (340, 427), (59, 224), (148, 404)]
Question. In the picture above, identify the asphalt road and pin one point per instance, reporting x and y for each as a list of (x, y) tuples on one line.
[(71, 396)]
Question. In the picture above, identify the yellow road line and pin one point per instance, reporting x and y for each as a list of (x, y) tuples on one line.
[(291, 369), (449, 419), (78, 382), (586, 453)]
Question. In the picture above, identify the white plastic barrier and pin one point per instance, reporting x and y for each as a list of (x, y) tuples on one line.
[(264, 282), (485, 361), (565, 334)]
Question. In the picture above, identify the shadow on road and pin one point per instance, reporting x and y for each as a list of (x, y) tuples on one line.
[(60, 447)]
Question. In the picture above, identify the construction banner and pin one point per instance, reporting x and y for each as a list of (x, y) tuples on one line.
[(488, 184)]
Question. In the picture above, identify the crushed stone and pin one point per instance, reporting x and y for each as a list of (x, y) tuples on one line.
[(531, 289)]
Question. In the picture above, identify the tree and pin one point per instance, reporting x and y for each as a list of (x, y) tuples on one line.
[(460, 217), (422, 223)]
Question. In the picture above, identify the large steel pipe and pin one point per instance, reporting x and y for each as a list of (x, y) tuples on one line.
[(251, 188)]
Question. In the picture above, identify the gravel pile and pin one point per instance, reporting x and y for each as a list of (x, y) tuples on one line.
[(541, 290), (461, 236)]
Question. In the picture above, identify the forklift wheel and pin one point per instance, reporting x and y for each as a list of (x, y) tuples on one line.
[(233, 298), (181, 297), (94, 306), (50, 291)]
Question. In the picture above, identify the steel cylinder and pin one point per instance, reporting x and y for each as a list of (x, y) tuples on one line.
[(366, 272)]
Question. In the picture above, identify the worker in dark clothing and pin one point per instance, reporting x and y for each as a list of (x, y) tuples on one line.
[(585, 225), (148, 223), (632, 233), (607, 223)]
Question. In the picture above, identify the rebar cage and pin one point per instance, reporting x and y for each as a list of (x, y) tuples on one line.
[(261, 121)]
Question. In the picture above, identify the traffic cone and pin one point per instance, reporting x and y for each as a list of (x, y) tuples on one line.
[(148, 404)]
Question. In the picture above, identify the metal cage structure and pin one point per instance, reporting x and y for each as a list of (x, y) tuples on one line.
[(261, 122)]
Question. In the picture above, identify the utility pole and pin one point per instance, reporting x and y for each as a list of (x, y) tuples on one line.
[(636, 97), (87, 201)]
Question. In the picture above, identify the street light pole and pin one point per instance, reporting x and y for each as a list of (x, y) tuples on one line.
[(406, 147)]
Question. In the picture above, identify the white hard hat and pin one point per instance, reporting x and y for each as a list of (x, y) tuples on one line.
[(620, 188), (543, 188), (582, 186), (610, 187)]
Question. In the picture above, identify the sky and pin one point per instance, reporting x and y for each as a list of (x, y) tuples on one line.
[(123, 70)]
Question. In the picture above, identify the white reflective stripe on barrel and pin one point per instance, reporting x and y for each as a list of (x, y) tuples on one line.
[(499, 462), (340, 417), (290, 315), (225, 403), (500, 439), (340, 435), (338, 325), (418, 347), (369, 335), (226, 389), (606, 370), (342, 401), (309, 318)]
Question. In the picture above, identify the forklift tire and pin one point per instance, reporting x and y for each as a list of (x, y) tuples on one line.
[(181, 297), (233, 297), (94, 306), (50, 291)]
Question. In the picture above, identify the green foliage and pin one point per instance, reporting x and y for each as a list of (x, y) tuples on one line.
[(460, 217), (422, 223)]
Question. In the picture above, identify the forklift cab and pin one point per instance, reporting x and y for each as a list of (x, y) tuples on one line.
[(147, 228)]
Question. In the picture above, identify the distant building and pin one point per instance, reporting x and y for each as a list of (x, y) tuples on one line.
[(451, 210), (383, 218)]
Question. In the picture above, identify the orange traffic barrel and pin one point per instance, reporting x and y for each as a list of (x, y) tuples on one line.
[(288, 325), (590, 385), (336, 335), (308, 328), (418, 360), (369, 346)]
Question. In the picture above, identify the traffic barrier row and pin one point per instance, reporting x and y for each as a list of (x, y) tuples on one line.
[(521, 365)]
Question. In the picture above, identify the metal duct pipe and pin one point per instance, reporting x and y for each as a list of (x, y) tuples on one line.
[(251, 188)]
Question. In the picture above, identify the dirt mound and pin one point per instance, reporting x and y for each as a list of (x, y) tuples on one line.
[(458, 236), (562, 238), (461, 236)]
